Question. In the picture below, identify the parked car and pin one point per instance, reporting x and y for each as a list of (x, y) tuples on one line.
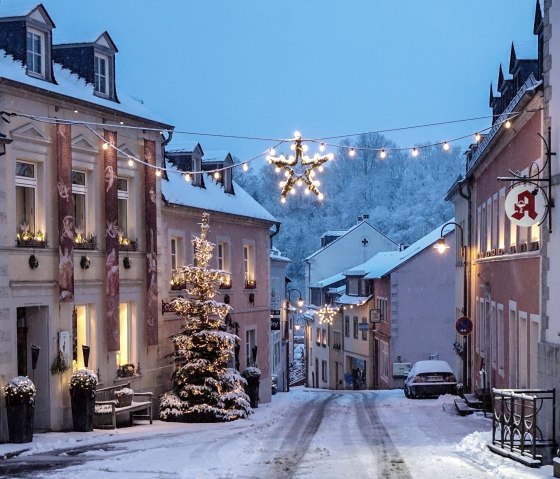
[(430, 378)]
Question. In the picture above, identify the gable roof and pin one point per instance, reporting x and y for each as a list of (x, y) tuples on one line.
[(345, 233), (212, 197), (386, 262), (79, 37), (11, 9), (184, 145)]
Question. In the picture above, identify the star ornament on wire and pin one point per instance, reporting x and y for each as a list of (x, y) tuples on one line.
[(299, 169), (326, 315)]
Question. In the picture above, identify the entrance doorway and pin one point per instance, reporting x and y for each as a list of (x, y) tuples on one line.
[(33, 358)]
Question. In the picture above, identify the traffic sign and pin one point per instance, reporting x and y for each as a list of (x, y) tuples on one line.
[(464, 325)]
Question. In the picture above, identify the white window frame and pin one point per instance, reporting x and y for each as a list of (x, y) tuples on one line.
[(81, 190), (99, 79), (173, 254), (25, 182), (501, 339), (250, 341), (128, 334), (124, 195), (31, 32), (249, 262)]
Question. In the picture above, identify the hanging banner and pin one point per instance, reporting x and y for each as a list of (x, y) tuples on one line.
[(151, 242), (525, 205), (111, 242), (65, 213)]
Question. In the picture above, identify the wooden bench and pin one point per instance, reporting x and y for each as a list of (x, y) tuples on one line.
[(106, 407)]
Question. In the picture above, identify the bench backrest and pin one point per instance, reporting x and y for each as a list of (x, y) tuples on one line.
[(108, 393)]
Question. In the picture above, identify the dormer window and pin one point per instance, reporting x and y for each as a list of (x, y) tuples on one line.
[(35, 52), (101, 71)]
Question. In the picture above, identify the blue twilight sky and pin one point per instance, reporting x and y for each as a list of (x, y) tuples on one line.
[(324, 67)]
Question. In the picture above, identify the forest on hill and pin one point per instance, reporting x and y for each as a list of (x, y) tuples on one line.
[(403, 195)]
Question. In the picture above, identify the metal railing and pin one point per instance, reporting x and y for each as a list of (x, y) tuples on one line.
[(523, 421)]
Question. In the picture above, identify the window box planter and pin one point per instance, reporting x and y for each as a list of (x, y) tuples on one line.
[(250, 284), (85, 243), (127, 245)]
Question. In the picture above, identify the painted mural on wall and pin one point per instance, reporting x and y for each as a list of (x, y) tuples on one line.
[(111, 242), (151, 242), (65, 213)]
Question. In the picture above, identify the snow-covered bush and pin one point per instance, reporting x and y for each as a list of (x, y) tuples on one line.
[(83, 383), (20, 390)]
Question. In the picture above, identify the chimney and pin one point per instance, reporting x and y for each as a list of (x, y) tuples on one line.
[(365, 217), (360, 219)]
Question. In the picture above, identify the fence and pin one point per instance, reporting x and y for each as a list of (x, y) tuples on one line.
[(523, 424)]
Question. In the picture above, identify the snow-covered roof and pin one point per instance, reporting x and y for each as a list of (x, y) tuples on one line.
[(352, 300), (385, 262), (181, 144), (217, 155), (344, 233), (211, 198), (81, 35), (333, 233), (328, 281), (276, 255), (70, 85)]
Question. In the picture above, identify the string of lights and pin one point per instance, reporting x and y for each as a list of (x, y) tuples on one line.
[(216, 172)]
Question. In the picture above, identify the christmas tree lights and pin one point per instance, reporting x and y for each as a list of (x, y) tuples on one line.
[(204, 389)]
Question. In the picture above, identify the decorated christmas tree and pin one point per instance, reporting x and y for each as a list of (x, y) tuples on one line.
[(204, 388)]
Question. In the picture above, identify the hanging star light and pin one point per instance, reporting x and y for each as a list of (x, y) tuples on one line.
[(326, 315), (304, 174)]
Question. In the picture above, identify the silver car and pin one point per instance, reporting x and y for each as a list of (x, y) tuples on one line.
[(430, 378)]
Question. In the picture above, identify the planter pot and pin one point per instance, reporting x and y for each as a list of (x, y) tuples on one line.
[(123, 400), (252, 390), (20, 422), (83, 407)]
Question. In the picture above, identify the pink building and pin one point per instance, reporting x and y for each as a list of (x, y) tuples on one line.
[(241, 231)]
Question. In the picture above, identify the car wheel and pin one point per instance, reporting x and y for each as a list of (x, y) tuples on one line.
[(406, 393)]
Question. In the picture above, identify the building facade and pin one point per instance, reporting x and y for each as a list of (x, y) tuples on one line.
[(78, 260)]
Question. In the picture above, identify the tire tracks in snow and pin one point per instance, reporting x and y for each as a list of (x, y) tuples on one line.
[(296, 442), (390, 463)]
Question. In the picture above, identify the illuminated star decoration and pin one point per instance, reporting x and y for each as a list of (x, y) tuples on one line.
[(305, 173), (326, 315)]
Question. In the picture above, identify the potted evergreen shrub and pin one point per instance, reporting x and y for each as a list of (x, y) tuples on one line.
[(253, 377), (20, 407), (82, 393)]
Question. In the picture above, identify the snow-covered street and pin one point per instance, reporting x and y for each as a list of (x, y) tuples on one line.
[(304, 433)]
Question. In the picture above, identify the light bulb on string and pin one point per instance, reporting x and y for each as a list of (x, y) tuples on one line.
[(383, 154), (158, 172), (507, 124), (305, 147), (415, 151), (352, 152), (322, 147), (245, 167), (292, 147), (187, 177), (130, 162), (217, 175), (477, 137), (446, 146), (297, 134), (105, 146), (320, 196), (272, 152), (282, 200)]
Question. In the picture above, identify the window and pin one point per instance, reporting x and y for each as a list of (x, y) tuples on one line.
[(324, 371), (101, 77), (35, 52), (324, 335), (82, 336), (364, 333), (126, 352), (384, 363), (122, 205), (316, 296), (337, 339), (355, 327), (493, 323), (382, 305), (79, 192), (26, 185), (354, 286), (501, 339), (173, 254), (347, 326), (249, 266), (276, 355), (318, 338), (250, 343)]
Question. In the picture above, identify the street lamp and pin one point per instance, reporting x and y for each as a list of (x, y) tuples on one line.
[(442, 247), (3, 142)]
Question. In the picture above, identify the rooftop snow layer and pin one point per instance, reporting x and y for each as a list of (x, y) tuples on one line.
[(213, 198)]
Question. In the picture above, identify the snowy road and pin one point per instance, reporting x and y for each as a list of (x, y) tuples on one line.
[(302, 434)]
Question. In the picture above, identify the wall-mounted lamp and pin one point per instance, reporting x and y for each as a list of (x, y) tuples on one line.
[(84, 262), (3, 142), (126, 262), (252, 298)]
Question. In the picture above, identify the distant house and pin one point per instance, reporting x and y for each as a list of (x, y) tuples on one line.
[(406, 298), (78, 213), (241, 231), (339, 251)]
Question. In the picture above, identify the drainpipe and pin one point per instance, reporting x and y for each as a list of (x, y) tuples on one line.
[(468, 343), (164, 144), (274, 233)]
